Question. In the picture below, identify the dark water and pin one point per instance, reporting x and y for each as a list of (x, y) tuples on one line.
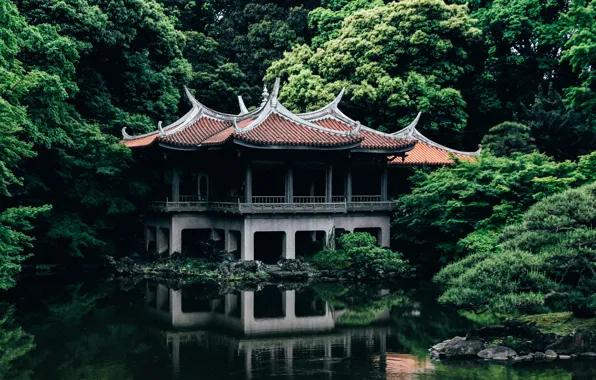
[(52, 328)]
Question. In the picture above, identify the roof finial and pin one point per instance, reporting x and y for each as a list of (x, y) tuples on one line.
[(243, 109), (161, 132), (125, 136), (264, 95), (191, 98)]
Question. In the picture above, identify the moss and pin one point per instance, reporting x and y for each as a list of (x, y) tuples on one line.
[(559, 323)]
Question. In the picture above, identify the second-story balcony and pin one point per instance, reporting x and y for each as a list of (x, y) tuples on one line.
[(276, 204)]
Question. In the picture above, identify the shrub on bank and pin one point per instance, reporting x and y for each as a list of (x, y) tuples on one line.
[(358, 253)]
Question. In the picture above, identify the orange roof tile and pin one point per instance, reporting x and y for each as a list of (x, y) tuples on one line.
[(425, 154)]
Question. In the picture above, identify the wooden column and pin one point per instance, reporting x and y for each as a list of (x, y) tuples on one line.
[(384, 182), (248, 184), (175, 185), (348, 184), (290, 185), (329, 183)]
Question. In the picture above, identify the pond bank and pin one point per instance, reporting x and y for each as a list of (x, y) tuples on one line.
[(543, 337)]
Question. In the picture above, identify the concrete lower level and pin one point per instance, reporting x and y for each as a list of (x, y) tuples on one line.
[(241, 233)]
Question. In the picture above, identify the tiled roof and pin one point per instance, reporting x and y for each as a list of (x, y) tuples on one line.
[(371, 139), (276, 129), (197, 133), (272, 125), (141, 141), (425, 154)]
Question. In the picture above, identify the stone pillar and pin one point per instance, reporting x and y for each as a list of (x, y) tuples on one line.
[(231, 242), (290, 245), (385, 238), (289, 300), (248, 184), (175, 237), (290, 185), (161, 239), (150, 235), (248, 242), (175, 185), (328, 183), (348, 184), (384, 182)]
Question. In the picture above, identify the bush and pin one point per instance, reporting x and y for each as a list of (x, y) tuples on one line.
[(358, 253), (547, 261)]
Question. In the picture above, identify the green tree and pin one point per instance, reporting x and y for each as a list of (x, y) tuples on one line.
[(461, 208), (394, 60), (580, 52), (548, 259), (507, 138), (557, 129), (14, 84)]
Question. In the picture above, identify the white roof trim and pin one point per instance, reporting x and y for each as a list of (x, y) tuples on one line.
[(410, 132), (243, 109), (329, 109)]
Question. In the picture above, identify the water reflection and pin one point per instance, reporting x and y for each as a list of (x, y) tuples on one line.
[(326, 331), (274, 331)]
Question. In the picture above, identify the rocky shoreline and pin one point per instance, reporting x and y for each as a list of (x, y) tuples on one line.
[(515, 341)]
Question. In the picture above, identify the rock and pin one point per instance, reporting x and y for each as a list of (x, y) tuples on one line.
[(539, 356), (579, 341), (550, 354), (523, 358), (564, 357), (297, 265), (495, 352), (589, 355), (457, 347), (239, 268)]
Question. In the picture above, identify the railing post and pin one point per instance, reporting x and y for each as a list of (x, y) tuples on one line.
[(328, 183)]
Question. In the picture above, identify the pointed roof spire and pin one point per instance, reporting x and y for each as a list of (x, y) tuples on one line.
[(243, 109), (264, 95), (275, 93)]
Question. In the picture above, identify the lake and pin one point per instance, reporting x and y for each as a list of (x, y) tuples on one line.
[(55, 327)]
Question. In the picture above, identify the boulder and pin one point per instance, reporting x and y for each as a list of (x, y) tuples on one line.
[(297, 265), (564, 357), (239, 268), (457, 348), (577, 342), (494, 352), (523, 358), (550, 354), (589, 355), (538, 356)]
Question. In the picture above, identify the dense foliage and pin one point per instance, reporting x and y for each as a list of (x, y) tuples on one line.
[(359, 254), (74, 73), (548, 259), (454, 210)]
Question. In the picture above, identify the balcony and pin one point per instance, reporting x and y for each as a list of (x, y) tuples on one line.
[(276, 205)]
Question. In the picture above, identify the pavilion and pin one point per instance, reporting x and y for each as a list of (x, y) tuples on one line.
[(269, 183)]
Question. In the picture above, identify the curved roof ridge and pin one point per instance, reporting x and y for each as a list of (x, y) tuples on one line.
[(274, 106), (216, 114), (243, 109), (126, 136), (195, 113), (412, 132), (329, 109), (421, 137)]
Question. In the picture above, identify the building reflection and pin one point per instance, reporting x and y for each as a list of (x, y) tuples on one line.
[(273, 332)]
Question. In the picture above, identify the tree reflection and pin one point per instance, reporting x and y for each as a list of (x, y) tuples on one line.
[(14, 343)]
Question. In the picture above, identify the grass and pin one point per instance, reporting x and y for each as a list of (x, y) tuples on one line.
[(559, 323)]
